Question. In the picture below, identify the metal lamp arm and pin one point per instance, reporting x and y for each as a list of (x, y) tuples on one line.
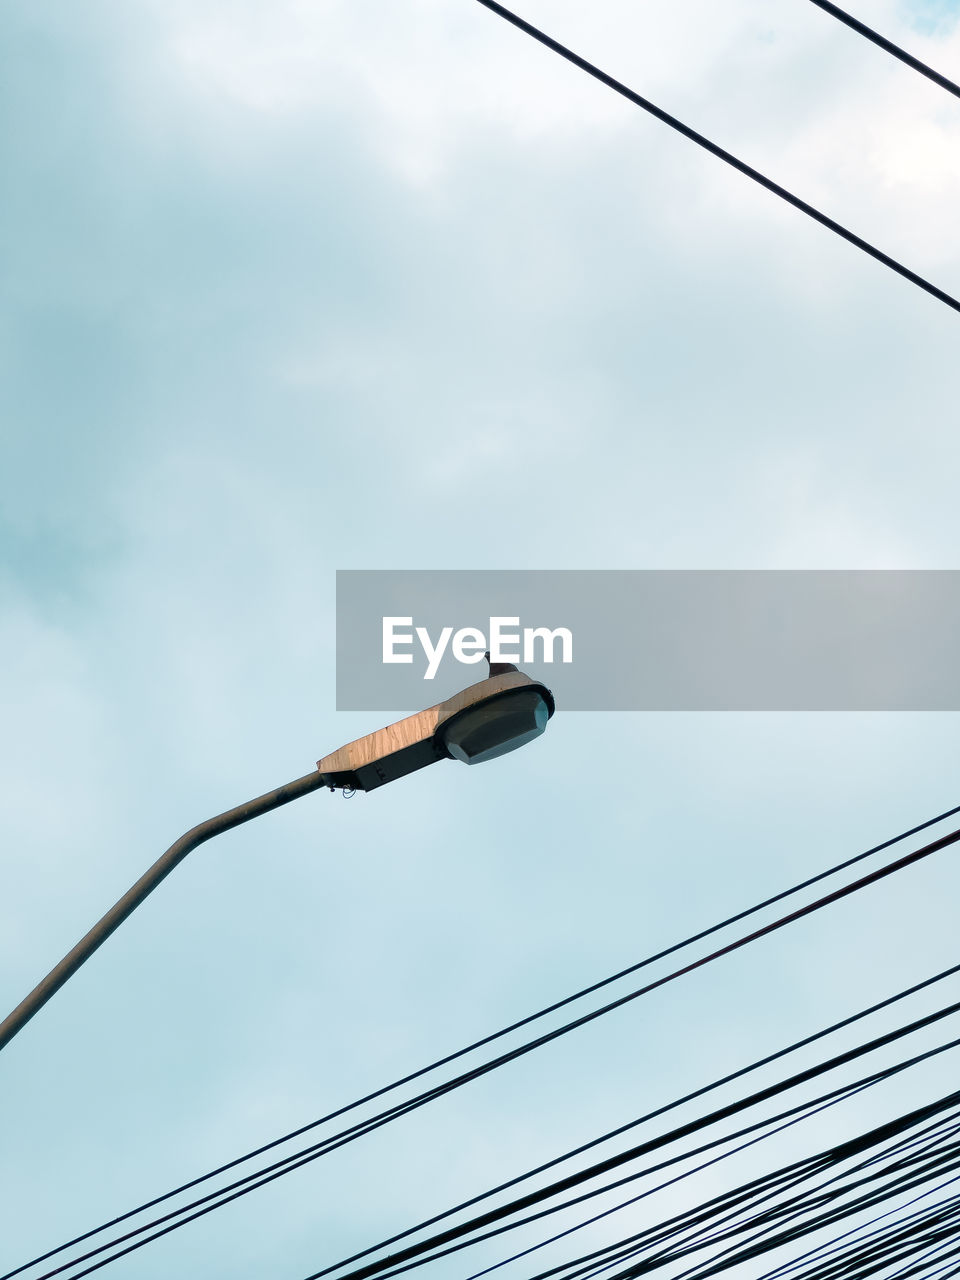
[(102, 930)]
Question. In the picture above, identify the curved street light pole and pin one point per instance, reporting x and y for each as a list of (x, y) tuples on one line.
[(102, 930), (487, 719)]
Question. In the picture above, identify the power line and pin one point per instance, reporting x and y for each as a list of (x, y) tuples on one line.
[(660, 1111), (864, 1231), (862, 29), (259, 1178), (721, 153), (816, 1106), (798, 1114), (939, 1250), (933, 1152), (775, 1183), (889, 1242), (836, 1098), (393, 1263), (204, 1206)]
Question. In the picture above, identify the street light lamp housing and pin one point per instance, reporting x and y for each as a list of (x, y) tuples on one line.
[(497, 725), (479, 723)]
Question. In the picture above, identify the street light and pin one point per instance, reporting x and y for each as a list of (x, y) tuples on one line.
[(479, 723), (486, 720)]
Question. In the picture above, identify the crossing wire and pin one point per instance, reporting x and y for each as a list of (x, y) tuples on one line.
[(931, 1155), (887, 45), (726, 156), (413, 1254), (790, 1117), (259, 1178)]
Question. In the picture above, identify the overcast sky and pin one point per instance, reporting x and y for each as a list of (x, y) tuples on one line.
[(382, 284)]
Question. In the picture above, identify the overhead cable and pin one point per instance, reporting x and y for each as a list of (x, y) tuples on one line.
[(887, 45), (726, 156), (253, 1181)]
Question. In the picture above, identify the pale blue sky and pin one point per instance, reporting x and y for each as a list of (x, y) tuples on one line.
[(300, 287)]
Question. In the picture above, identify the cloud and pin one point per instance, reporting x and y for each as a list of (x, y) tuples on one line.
[(366, 284)]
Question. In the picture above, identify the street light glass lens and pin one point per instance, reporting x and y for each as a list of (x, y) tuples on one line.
[(493, 728)]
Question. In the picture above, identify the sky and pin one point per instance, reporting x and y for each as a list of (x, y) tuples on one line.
[(384, 285)]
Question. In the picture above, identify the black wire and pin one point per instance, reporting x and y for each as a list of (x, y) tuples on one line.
[(923, 1215), (865, 1230), (933, 1152), (402, 1108), (799, 1113), (682, 1223), (606, 1137), (938, 1159), (166, 1230), (897, 1246), (532, 1198), (833, 1099), (882, 1254), (123, 1252), (795, 1207), (877, 1196), (804, 1111), (843, 1151), (800, 1169), (831, 897), (314, 1153), (720, 153), (937, 1250), (952, 1253), (883, 1258), (862, 29), (699, 1168), (907, 1238), (835, 1246)]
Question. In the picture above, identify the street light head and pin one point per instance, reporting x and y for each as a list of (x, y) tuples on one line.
[(481, 722), (502, 723)]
